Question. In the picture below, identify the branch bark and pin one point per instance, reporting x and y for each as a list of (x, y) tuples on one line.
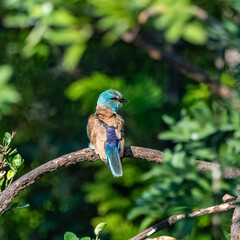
[(89, 154), (173, 219), (162, 238), (235, 227)]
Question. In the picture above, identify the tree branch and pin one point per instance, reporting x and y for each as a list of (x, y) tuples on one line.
[(89, 154), (182, 65), (162, 238), (136, 38), (235, 227), (173, 219)]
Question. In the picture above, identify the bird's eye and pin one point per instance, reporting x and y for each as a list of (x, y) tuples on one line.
[(114, 98)]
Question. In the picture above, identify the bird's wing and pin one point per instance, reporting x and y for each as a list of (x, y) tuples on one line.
[(115, 142), (97, 135), (117, 122), (120, 133)]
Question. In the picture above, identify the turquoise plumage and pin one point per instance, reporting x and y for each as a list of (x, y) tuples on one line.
[(106, 130)]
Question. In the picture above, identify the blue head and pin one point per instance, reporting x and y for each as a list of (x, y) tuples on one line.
[(112, 99)]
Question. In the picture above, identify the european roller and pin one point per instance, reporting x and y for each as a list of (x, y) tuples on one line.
[(105, 130)]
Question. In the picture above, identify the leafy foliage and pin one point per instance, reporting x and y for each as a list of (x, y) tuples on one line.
[(54, 25), (61, 54), (10, 162), (202, 129)]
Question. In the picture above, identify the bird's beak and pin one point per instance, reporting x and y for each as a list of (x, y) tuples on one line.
[(123, 100)]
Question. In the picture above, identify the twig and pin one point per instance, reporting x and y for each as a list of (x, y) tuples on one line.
[(173, 219), (89, 154)]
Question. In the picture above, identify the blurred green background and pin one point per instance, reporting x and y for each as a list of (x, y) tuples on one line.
[(56, 58)]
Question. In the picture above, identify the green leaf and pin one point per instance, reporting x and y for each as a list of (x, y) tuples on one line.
[(145, 223), (6, 72), (85, 238), (228, 80), (62, 17), (99, 228), (17, 161), (174, 32), (71, 36), (73, 55), (1, 183), (231, 27), (168, 120), (7, 138), (70, 236), (8, 93), (195, 33), (18, 20), (10, 174)]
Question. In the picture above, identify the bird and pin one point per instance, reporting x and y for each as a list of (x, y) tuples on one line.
[(105, 130)]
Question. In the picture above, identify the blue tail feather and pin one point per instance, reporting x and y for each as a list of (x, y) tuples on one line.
[(114, 160), (112, 146)]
